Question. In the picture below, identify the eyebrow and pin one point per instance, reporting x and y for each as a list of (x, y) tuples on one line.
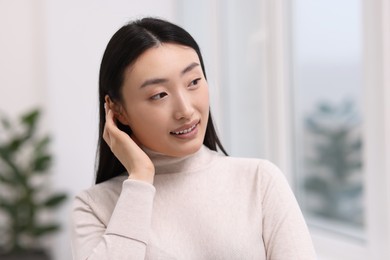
[(156, 81)]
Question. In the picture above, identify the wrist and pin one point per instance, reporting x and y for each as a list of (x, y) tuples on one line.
[(145, 177)]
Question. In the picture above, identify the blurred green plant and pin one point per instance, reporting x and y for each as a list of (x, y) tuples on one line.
[(24, 191), (335, 162)]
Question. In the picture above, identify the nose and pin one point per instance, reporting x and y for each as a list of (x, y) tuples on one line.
[(183, 107)]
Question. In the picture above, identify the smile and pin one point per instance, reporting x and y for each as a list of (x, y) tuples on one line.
[(185, 131)]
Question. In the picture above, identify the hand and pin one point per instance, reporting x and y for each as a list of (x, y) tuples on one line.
[(137, 163)]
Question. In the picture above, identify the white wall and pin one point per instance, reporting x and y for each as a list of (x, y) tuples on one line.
[(50, 55), (21, 75)]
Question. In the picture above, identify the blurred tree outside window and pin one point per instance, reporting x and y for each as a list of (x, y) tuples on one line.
[(327, 104)]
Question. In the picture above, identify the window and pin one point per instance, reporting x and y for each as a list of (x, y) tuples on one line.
[(327, 113)]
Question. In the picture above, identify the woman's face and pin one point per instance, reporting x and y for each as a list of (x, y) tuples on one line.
[(166, 101)]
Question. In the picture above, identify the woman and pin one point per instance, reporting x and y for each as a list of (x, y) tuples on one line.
[(163, 191)]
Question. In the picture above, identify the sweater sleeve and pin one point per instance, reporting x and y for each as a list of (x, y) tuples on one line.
[(285, 232), (127, 232)]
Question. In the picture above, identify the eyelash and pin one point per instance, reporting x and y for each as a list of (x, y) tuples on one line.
[(195, 82), (158, 96), (161, 95)]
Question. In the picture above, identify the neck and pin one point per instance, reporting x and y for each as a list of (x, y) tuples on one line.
[(168, 164)]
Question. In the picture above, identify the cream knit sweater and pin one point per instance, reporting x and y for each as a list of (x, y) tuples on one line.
[(204, 206)]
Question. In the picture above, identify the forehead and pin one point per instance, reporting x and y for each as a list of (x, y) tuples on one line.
[(164, 60)]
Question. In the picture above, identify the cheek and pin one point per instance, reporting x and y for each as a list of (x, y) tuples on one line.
[(203, 99), (149, 130), (146, 123)]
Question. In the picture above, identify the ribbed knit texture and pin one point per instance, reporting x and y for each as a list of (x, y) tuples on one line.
[(203, 206)]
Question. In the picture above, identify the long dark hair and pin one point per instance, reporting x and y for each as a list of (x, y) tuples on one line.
[(125, 46)]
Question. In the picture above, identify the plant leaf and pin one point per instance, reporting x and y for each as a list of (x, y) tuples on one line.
[(31, 118), (15, 144), (5, 123), (7, 180), (44, 229), (54, 200), (7, 206), (41, 162), (41, 145)]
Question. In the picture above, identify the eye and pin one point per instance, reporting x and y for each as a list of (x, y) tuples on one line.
[(158, 96), (195, 82)]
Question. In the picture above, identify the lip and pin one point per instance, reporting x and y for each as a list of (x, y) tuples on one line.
[(190, 125), (193, 133)]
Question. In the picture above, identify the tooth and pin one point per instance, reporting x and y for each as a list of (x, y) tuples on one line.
[(185, 130)]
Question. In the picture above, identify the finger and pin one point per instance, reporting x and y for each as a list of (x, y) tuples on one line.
[(106, 135), (108, 126), (111, 131), (110, 118)]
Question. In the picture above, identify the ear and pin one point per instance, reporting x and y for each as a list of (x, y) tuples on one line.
[(118, 110)]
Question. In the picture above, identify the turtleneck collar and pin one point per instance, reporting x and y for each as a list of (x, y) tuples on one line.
[(167, 164)]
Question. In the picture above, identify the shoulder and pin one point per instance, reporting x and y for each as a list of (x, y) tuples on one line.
[(110, 187), (249, 165), (102, 194), (261, 178), (261, 171)]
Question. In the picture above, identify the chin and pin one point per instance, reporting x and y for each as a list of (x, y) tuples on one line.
[(175, 148)]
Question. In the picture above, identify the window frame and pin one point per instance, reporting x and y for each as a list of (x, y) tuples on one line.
[(376, 58)]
